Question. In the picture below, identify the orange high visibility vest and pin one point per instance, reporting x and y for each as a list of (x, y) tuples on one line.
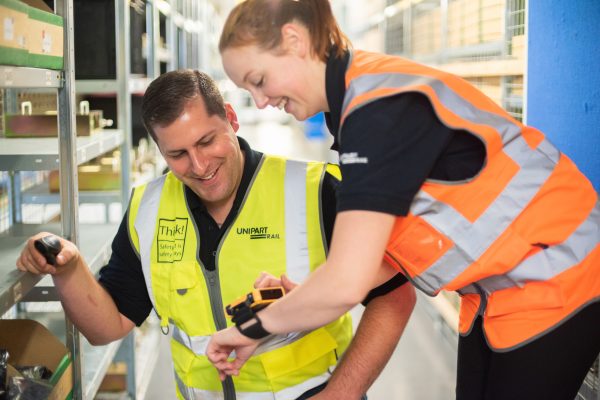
[(519, 241)]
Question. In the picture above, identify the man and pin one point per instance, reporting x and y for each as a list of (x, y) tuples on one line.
[(199, 236)]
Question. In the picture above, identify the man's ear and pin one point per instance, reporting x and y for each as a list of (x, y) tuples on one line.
[(232, 117), (295, 39)]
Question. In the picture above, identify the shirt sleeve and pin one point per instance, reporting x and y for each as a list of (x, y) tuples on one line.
[(395, 282), (387, 150), (124, 280)]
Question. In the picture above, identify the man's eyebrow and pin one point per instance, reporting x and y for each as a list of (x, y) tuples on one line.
[(211, 132)]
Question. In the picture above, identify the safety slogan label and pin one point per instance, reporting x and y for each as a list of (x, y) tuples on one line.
[(171, 239)]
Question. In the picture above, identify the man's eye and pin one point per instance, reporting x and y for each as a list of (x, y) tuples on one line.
[(259, 83), (176, 155)]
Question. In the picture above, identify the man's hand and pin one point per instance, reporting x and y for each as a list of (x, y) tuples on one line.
[(265, 280), (33, 261), (222, 344)]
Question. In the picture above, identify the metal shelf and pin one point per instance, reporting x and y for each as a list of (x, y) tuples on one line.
[(40, 154), (14, 284), (146, 356), (29, 78), (110, 86), (96, 360), (40, 194)]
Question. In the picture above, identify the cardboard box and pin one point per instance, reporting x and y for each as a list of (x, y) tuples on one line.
[(13, 32), (115, 379), (44, 36), (30, 343)]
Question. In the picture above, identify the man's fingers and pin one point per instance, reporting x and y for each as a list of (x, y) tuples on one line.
[(287, 283), (266, 280)]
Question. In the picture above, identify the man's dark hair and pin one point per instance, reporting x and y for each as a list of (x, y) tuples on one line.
[(168, 94)]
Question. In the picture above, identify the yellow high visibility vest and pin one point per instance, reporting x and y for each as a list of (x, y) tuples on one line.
[(278, 229)]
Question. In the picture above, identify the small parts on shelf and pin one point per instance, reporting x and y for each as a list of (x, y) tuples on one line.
[(102, 173), (27, 124)]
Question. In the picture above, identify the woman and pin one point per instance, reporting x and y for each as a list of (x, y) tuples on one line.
[(443, 184)]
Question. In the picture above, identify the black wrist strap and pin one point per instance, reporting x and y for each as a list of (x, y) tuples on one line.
[(248, 323), (252, 328)]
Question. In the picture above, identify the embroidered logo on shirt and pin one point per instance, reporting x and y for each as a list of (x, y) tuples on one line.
[(353, 158)]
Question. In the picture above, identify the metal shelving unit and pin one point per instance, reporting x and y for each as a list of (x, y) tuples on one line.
[(184, 26), (24, 77), (64, 153)]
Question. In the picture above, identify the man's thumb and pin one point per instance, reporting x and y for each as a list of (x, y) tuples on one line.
[(287, 283)]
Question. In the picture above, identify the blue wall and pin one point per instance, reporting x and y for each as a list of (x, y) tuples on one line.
[(563, 73)]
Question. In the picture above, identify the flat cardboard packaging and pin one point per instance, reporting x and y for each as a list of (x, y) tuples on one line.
[(13, 32), (44, 36)]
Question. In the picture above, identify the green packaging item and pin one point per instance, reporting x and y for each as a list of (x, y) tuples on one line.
[(45, 39)]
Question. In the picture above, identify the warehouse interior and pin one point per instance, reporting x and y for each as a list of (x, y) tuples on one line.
[(72, 147)]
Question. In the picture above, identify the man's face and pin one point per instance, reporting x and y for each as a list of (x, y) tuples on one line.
[(203, 152)]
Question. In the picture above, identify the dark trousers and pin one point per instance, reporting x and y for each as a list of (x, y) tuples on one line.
[(551, 367)]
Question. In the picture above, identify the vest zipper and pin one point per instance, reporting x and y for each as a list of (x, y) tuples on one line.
[(216, 305), (214, 288)]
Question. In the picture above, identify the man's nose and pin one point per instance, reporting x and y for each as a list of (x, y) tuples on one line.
[(199, 163)]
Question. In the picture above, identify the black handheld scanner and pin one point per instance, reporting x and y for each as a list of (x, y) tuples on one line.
[(49, 246)]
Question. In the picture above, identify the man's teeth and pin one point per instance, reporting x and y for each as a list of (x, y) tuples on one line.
[(207, 177), (282, 103)]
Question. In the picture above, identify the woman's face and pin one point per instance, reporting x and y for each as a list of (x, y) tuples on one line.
[(293, 81)]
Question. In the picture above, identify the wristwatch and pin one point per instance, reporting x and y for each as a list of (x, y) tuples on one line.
[(248, 323)]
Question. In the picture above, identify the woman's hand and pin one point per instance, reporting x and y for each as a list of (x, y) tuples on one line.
[(266, 280), (223, 343)]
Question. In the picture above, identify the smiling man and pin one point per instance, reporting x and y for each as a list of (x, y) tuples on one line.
[(199, 236)]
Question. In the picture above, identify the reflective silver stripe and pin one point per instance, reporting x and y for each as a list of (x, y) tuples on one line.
[(278, 341), (289, 393), (451, 100), (296, 240), (548, 263), (145, 225), (293, 392), (198, 344), (471, 240)]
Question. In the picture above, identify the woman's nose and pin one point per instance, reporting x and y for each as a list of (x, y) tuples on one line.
[(260, 100)]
